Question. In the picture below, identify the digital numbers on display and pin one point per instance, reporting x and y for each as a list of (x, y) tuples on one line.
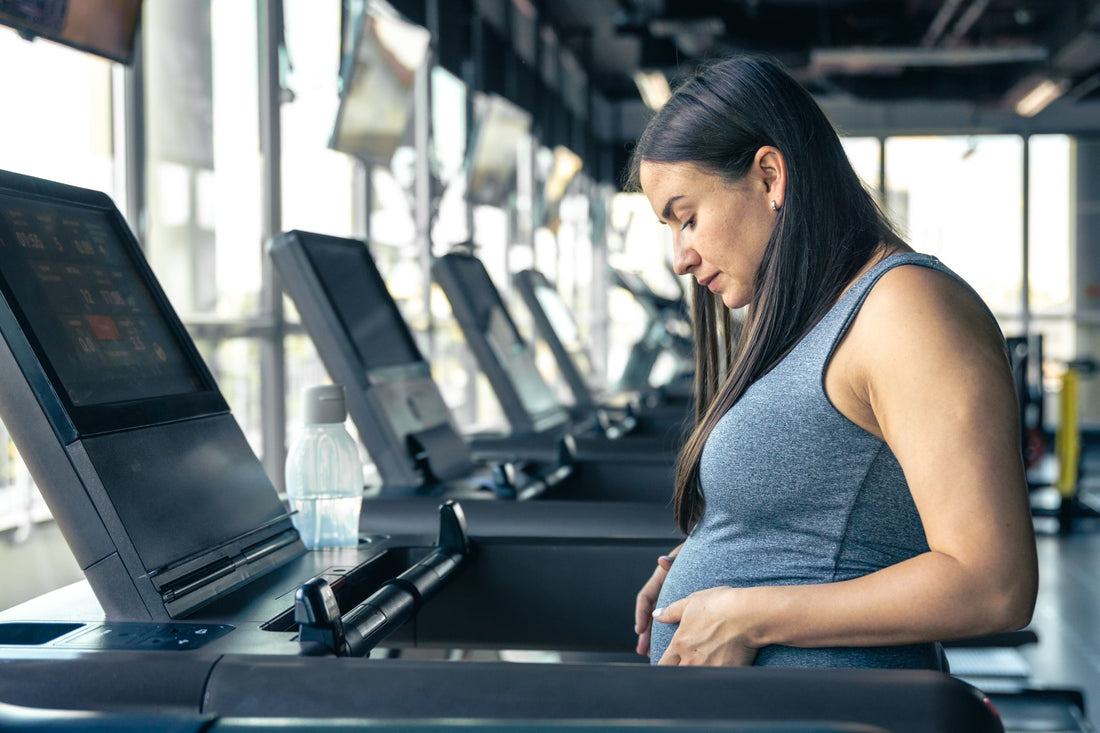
[(89, 307)]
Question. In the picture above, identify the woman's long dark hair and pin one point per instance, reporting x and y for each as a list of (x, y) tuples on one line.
[(828, 228)]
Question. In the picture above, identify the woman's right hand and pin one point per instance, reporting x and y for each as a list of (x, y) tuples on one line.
[(646, 601)]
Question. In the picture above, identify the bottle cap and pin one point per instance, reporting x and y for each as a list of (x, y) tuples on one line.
[(324, 403)]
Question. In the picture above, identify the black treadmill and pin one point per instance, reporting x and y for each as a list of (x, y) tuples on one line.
[(162, 501), (266, 693), (402, 417), (667, 329), (181, 535), (528, 402), (652, 408), (201, 600)]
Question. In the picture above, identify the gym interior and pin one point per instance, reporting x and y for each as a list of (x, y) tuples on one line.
[(423, 200)]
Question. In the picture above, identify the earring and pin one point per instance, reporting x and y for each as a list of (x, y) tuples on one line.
[(775, 207)]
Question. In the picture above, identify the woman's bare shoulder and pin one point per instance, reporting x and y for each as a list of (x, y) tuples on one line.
[(927, 303), (924, 329)]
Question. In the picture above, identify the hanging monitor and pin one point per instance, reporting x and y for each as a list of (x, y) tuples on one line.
[(563, 167), (382, 52), (498, 128), (103, 27)]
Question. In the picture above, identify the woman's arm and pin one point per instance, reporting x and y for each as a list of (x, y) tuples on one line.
[(927, 372)]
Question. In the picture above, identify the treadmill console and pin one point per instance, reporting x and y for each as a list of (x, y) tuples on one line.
[(366, 345), (528, 401), (117, 417), (559, 330)]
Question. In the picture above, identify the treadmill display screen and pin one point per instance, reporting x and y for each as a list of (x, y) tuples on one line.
[(504, 339), (563, 325), (98, 326), (366, 344), (359, 296)]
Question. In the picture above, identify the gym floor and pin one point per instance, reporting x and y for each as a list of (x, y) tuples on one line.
[(1067, 615)]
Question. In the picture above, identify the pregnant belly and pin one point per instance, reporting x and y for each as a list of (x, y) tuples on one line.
[(689, 575)]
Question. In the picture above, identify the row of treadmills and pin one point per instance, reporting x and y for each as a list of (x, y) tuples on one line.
[(203, 611)]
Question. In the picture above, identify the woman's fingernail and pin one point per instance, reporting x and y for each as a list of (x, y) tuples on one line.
[(657, 612), (668, 558)]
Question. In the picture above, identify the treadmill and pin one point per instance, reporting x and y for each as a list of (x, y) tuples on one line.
[(200, 598), (400, 413), (180, 533), (608, 453), (651, 408), (161, 499), (667, 329)]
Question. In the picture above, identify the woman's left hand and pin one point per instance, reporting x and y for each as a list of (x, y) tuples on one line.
[(712, 632)]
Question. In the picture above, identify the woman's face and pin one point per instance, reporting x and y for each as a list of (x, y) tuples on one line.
[(719, 229)]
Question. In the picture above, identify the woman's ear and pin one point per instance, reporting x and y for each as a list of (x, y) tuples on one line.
[(771, 168)]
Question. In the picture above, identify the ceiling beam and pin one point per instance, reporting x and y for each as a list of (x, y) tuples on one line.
[(939, 23), (965, 22), (888, 60)]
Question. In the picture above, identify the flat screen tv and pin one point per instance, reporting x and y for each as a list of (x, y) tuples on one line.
[(103, 27), (499, 126), (382, 52), (563, 167)]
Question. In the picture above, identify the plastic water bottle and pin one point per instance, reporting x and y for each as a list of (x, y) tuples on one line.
[(324, 473)]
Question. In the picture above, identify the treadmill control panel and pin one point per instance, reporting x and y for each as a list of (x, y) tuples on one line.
[(113, 635)]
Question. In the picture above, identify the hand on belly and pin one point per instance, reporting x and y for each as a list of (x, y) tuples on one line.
[(711, 631)]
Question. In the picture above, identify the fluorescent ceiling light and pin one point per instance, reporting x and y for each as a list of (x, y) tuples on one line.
[(654, 88), (1042, 94)]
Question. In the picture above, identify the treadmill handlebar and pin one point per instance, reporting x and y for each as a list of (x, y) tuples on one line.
[(317, 613)]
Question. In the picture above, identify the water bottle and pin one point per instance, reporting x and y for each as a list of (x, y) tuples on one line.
[(324, 473)]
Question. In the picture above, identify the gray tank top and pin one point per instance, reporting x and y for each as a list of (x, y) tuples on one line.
[(798, 494)]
